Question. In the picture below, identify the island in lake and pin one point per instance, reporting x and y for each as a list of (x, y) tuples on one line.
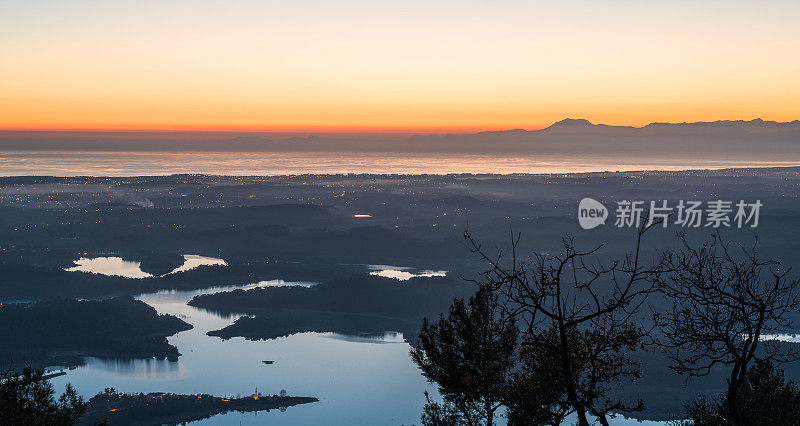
[(168, 408)]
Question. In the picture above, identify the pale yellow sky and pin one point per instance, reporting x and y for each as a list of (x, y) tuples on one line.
[(375, 65)]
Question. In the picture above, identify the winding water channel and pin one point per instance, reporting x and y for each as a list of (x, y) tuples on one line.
[(368, 380), (365, 379)]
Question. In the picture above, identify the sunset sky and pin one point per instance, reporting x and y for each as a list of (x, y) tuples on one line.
[(409, 65)]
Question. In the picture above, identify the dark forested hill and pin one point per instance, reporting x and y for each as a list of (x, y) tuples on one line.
[(63, 330)]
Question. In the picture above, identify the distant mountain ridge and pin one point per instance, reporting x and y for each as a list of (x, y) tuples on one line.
[(565, 137), (580, 136), (718, 123), (582, 124)]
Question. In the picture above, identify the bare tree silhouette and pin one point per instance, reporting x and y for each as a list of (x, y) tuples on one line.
[(728, 306), (579, 313)]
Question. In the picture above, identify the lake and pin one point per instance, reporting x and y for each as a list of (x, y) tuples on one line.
[(112, 265), (402, 273), (359, 379)]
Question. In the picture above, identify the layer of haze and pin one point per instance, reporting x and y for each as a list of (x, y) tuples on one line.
[(363, 65)]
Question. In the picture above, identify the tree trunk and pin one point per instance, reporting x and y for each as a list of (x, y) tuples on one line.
[(601, 417), (730, 401), (733, 411), (572, 395), (569, 379), (582, 421)]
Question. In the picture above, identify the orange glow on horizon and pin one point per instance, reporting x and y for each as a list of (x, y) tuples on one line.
[(270, 129), (388, 67), (375, 129)]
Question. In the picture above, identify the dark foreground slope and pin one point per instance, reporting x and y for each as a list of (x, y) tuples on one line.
[(63, 331)]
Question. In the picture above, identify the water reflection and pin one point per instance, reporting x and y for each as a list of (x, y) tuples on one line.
[(148, 368), (77, 163), (403, 273), (385, 337), (365, 379), (110, 266), (788, 338), (116, 266), (279, 283), (191, 261)]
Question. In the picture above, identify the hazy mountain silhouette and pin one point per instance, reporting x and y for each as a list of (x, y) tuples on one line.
[(570, 136)]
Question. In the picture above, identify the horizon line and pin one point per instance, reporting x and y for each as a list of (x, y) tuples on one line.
[(345, 129)]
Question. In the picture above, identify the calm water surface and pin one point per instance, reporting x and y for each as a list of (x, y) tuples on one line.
[(67, 163), (365, 379), (112, 265), (403, 273), (358, 379)]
